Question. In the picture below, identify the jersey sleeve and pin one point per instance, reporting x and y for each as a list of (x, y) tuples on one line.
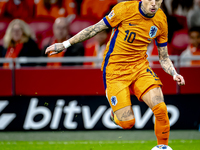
[(115, 16), (162, 39)]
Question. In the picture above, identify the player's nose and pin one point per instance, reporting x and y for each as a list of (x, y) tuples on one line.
[(153, 2)]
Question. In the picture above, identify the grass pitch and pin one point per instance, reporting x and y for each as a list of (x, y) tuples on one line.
[(96, 145), (96, 140)]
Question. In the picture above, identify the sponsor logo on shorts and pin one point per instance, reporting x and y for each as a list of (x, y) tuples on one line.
[(114, 100)]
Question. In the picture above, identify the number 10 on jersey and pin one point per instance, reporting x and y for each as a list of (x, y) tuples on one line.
[(130, 36)]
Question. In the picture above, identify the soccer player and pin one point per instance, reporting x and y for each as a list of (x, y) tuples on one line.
[(125, 66)]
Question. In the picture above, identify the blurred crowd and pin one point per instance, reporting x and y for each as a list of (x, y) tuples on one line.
[(28, 27)]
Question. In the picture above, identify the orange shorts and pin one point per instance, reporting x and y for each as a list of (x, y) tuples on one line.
[(140, 82)]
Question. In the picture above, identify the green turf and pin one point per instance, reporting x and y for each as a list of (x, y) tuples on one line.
[(116, 135), (96, 140), (96, 145)]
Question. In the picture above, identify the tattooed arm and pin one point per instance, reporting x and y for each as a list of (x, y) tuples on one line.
[(88, 33), (83, 35), (168, 66), (165, 61)]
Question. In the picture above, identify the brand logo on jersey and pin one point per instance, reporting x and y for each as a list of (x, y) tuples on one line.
[(114, 100), (111, 14), (153, 31), (165, 132)]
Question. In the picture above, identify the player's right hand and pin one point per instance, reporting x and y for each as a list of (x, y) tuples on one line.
[(55, 48)]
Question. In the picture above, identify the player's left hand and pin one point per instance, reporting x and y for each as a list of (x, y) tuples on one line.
[(179, 79), (55, 48)]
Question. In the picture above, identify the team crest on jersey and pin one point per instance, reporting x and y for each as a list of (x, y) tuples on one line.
[(114, 100), (111, 14), (153, 31)]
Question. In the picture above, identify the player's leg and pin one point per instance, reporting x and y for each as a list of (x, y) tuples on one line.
[(121, 105), (124, 117), (154, 99), (147, 89)]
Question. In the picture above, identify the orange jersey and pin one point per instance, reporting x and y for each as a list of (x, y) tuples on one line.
[(132, 32)]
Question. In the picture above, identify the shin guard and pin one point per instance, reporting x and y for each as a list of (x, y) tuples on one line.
[(162, 126)]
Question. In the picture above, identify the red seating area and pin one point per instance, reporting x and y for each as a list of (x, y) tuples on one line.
[(79, 23), (42, 27), (4, 22), (180, 41)]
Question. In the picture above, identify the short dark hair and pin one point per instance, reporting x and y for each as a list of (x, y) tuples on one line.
[(195, 28)]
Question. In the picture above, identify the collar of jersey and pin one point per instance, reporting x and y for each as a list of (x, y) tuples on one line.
[(143, 14)]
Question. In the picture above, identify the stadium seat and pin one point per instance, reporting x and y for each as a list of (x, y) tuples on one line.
[(180, 41), (80, 23), (44, 42), (1, 41), (182, 20), (41, 26), (4, 22)]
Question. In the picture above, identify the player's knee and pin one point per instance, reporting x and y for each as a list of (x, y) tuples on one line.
[(127, 124), (160, 111)]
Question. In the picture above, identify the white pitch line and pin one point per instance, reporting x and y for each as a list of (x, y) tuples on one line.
[(40, 143), (88, 142)]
